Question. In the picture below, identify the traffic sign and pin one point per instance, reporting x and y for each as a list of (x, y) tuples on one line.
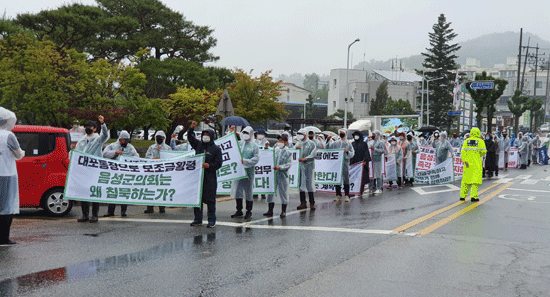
[(454, 113), (482, 85)]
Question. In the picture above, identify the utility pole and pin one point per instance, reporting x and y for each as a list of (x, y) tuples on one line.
[(525, 64), (519, 55)]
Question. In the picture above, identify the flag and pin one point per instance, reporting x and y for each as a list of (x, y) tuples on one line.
[(392, 64), (456, 91), (401, 65)]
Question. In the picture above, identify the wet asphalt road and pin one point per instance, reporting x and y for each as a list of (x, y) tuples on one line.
[(497, 247)]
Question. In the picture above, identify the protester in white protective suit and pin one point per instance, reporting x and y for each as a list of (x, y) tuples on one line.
[(308, 152), (377, 151), (183, 147), (122, 147), (10, 151), (243, 188), (349, 152), (282, 163), (153, 152), (92, 144)]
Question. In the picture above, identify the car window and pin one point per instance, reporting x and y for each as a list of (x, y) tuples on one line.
[(36, 144)]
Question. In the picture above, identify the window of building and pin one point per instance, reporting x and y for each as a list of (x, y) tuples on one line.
[(539, 84), (334, 104), (335, 81), (365, 97)]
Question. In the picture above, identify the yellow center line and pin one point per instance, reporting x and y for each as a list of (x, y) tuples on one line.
[(433, 214), (461, 212)]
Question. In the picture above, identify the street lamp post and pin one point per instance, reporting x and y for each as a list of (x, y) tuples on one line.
[(428, 96), (422, 100), (347, 87)]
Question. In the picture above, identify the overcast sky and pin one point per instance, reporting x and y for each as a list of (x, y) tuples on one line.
[(308, 36)]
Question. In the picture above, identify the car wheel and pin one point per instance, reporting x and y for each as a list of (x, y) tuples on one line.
[(54, 204)]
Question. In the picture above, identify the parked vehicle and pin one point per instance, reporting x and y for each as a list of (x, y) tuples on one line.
[(43, 170)]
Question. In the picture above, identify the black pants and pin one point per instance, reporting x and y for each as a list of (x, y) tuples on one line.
[(111, 208), (5, 225), (211, 211), (398, 182), (86, 209), (339, 190), (152, 208), (303, 197)]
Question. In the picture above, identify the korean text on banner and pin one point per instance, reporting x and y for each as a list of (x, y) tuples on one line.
[(328, 166), (458, 163), (294, 171), (264, 174), (425, 159), (438, 175), (355, 177), (174, 182), (172, 154), (232, 167), (513, 158)]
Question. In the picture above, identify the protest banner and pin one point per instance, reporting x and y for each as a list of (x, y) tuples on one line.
[(328, 166), (232, 167), (425, 159), (501, 160), (513, 158), (458, 163), (390, 174), (294, 171), (264, 174), (173, 182), (409, 170), (130, 159), (438, 175), (355, 177)]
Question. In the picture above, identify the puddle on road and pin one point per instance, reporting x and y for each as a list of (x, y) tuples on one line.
[(30, 282)]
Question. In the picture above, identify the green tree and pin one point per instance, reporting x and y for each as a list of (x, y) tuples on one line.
[(255, 98), (398, 107), (533, 105), (379, 103), (517, 106), (486, 99), (310, 108), (311, 82), (339, 115), (441, 56), (321, 95)]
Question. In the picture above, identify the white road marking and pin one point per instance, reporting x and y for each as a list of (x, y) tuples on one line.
[(279, 227), (505, 180), (420, 190), (523, 176), (525, 190), (529, 182)]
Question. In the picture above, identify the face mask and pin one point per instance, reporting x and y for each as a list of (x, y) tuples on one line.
[(486, 138), (342, 136), (393, 143), (124, 144), (159, 140), (280, 145), (409, 138), (246, 136), (311, 137), (89, 131), (356, 137), (421, 138), (300, 137), (436, 135), (206, 139), (402, 138), (261, 137)]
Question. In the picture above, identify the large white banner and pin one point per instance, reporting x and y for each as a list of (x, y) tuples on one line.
[(513, 158), (439, 174), (174, 182), (164, 155), (172, 154), (328, 166), (294, 171), (355, 177), (264, 175), (390, 174)]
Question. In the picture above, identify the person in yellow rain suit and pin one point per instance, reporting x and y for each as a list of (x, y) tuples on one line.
[(473, 149)]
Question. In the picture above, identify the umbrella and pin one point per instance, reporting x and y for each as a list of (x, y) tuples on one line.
[(313, 128), (427, 129), (235, 121), (282, 125), (330, 133)]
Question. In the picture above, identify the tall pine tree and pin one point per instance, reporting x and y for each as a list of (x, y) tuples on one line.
[(378, 104), (441, 56)]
